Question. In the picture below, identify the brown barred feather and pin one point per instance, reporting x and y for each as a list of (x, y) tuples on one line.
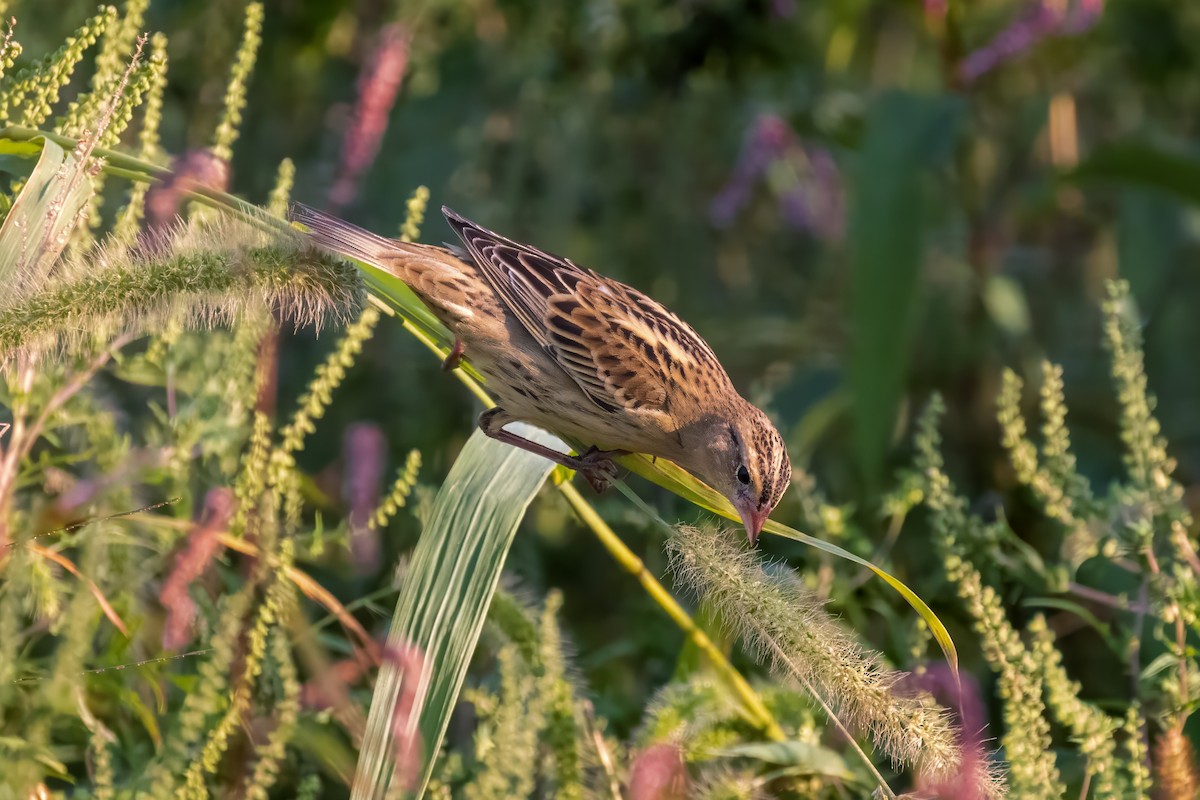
[(623, 349), (583, 356)]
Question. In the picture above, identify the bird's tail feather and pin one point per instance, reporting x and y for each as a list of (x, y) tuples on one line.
[(341, 237)]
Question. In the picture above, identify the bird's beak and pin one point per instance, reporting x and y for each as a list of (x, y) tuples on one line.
[(754, 520)]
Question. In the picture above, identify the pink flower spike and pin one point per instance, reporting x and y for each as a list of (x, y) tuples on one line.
[(378, 86)]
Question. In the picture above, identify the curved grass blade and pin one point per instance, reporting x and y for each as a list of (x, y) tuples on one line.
[(443, 601), (40, 221), (397, 296), (18, 142)]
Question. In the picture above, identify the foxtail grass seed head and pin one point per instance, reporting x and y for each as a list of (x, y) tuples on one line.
[(201, 274), (785, 625)]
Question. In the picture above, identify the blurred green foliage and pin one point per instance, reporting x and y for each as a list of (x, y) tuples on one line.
[(983, 216)]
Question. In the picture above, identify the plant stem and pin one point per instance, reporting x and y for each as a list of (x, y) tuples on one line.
[(754, 706)]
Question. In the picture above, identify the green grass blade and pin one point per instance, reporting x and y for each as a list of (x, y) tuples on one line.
[(660, 471), (445, 596), (22, 142), (18, 142), (905, 134), (40, 221)]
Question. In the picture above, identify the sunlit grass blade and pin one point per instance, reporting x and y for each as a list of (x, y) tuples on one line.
[(39, 222), (660, 471), (394, 294), (443, 601), (21, 142)]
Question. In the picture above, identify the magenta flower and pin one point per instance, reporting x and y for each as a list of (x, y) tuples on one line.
[(364, 459), (203, 545), (378, 85), (804, 180), (1044, 19), (968, 782)]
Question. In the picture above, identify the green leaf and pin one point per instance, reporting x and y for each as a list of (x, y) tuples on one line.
[(1139, 163), (1149, 235), (812, 759), (1163, 662), (1071, 607), (905, 134), (445, 596), (40, 221)]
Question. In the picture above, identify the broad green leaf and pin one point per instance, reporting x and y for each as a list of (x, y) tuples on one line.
[(812, 759), (1139, 163), (905, 134), (1149, 235), (40, 221), (444, 598)]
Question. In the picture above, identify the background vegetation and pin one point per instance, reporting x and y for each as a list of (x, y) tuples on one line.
[(916, 233)]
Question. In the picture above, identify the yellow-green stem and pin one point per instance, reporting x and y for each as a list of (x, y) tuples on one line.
[(759, 714)]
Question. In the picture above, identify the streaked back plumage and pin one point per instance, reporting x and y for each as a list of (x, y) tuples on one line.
[(581, 355)]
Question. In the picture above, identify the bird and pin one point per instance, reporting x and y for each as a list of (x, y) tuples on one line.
[(582, 356)]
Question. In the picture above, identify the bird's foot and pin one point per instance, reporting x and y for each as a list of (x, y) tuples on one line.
[(597, 467), (454, 357)]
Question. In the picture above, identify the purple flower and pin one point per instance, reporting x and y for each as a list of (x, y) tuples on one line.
[(804, 180), (364, 453), (971, 777), (1044, 19), (378, 85), (202, 546), (783, 9)]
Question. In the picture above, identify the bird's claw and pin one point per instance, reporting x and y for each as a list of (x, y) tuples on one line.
[(598, 468), (454, 357)]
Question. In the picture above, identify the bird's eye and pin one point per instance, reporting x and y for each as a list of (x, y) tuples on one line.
[(743, 474)]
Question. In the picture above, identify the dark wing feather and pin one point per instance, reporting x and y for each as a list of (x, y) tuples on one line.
[(624, 350)]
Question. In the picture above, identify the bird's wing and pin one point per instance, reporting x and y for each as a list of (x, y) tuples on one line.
[(624, 350)]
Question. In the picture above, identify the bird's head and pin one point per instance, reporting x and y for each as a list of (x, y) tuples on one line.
[(742, 456)]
